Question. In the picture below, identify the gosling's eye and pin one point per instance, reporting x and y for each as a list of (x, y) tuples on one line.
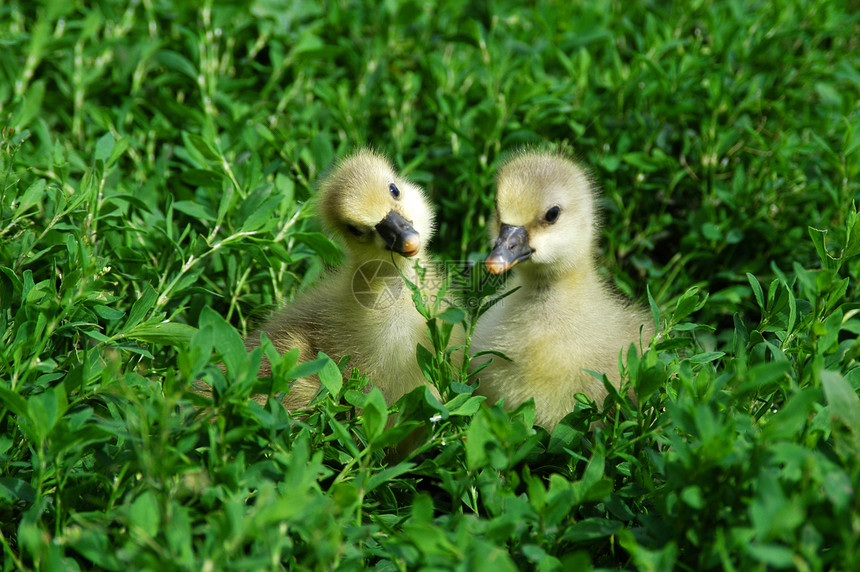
[(552, 215), (395, 192), (354, 230)]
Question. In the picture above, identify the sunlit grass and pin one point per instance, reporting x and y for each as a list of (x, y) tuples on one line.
[(155, 163)]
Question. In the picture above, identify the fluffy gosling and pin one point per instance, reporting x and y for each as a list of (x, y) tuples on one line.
[(362, 309), (564, 319)]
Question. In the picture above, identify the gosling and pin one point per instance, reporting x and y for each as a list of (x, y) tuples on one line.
[(564, 319), (363, 309)]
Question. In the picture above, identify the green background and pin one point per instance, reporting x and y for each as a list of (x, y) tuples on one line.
[(155, 160)]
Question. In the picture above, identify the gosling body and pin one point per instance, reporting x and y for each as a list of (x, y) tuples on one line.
[(363, 309)]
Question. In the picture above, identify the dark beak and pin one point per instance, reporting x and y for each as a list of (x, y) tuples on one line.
[(399, 234), (511, 247)]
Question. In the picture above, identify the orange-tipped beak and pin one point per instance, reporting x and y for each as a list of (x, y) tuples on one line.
[(511, 248), (399, 234)]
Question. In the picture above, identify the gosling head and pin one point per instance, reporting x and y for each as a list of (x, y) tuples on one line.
[(545, 216), (373, 209)]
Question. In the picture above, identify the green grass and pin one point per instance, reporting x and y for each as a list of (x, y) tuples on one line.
[(155, 159)]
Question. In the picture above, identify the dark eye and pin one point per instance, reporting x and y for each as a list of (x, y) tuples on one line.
[(354, 230), (552, 215), (395, 192)]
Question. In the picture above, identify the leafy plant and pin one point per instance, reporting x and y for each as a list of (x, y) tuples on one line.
[(156, 161)]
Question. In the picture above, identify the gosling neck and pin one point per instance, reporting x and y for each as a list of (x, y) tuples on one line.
[(406, 265), (544, 277)]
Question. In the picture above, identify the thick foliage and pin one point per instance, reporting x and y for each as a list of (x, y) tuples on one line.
[(155, 162)]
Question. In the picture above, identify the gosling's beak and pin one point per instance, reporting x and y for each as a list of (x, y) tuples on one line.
[(399, 234), (511, 247)]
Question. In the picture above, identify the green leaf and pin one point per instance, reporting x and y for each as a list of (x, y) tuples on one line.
[(396, 434), (307, 42), (477, 437), (97, 336), (226, 340), (176, 62), (842, 400), (261, 214), (422, 509), (104, 147), (536, 490), (45, 409), (650, 374), (789, 422), (829, 334), (560, 499), (108, 313), (640, 160), (592, 486), (120, 147), (771, 554), (712, 232), (590, 529), (14, 490), (689, 302), (320, 244), (852, 240), (321, 150), (140, 307), (331, 377), (792, 311), (706, 357), (13, 402), (693, 497), (374, 415), (281, 364), (95, 545), (388, 474), (165, 333), (31, 196), (452, 315), (285, 186), (343, 436), (345, 495), (123, 199), (194, 210), (818, 238), (30, 106), (427, 363), (145, 514), (309, 368), (563, 436), (202, 178), (469, 406), (199, 144), (655, 310), (757, 291)]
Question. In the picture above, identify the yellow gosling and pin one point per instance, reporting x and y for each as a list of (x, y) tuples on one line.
[(564, 319), (362, 309)]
